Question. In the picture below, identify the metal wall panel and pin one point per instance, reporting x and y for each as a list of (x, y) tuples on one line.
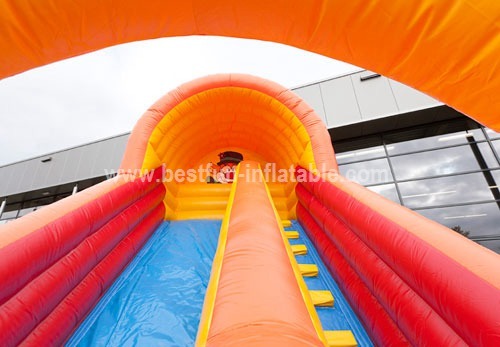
[(374, 96), (114, 157), (71, 165), (312, 95), (100, 162), (74, 168), (340, 102), (27, 174), (4, 176), (409, 99), (16, 179), (50, 173)]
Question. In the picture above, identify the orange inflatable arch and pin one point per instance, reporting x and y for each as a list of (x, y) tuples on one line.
[(449, 50)]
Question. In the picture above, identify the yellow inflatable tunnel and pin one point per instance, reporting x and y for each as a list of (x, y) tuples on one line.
[(188, 128)]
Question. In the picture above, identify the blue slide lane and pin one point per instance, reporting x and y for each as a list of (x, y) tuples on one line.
[(341, 316), (157, 300)]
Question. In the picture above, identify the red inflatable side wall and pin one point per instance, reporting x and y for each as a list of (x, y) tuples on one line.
[(59, 258), (383, 283), (27, 257), (433, 299), (381, 327), (38, 298), (59, 325)]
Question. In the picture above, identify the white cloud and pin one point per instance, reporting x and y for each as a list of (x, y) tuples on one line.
[(104, 93)]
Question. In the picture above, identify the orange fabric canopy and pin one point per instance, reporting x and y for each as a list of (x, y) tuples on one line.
[(449, 50)]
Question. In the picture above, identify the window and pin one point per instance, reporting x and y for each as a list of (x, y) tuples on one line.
[(397, 145), (494, 245), (362, 154), (478, 220), (10, 214), (25, 211), (443, 161), (492, 134), (368, 172), (448, 172), (487, 153), (387, 191), (496, 145), (445, 191)]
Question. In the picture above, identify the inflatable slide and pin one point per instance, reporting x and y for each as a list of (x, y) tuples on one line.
[(228, 224)]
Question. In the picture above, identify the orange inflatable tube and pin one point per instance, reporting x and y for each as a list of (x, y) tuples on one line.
[(256, 295)]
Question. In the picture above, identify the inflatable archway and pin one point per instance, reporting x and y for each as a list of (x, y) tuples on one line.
[(448, 50), (229, 110)]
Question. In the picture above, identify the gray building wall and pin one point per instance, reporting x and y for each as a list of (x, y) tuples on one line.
[(362, 96), (69, 165), (349, 99)]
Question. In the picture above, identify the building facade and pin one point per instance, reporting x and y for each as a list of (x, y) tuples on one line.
[(392, 139)]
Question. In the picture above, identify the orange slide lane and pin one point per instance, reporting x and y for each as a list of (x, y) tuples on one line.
[(256, 296)]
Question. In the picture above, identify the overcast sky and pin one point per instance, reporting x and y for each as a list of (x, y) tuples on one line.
[(103, 93)]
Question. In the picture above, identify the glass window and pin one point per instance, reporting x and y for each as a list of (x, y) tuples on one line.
[(387, 191), (492, 134), (441, 162), (496, 145), (496, 177), (445, 190), (25, 211), (9, 214), (494, 186), (61, 196), (476, 220), (11, 211), (494, 245), (360, 143), (488, 155), (362, 154), (367, 172), (428, 142), (39, 202)]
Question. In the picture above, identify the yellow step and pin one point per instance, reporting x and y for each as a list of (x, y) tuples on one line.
[(201, 203), (292, 234), (202, 200), (184, 215), (322, 298), (340, 338), (204, 189), (286, 223), (308, 270), (299, 249)]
